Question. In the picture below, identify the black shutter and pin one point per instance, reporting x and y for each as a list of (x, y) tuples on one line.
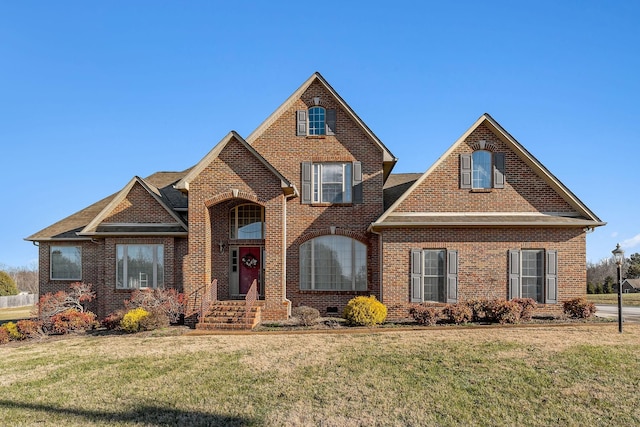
[(514, 274), (357, 182), (498, 170), (416, 275), (465, 171), (551, 277), (452, 277), (330, 124), (306, 182), (301, 123)]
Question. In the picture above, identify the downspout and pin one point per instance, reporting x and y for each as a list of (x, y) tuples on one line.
[(380, 261), (285, 300)]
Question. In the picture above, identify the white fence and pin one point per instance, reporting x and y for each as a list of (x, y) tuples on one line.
[(17, 300)]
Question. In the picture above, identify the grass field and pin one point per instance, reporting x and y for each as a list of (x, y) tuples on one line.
[(15, 313), (627, 299), (473, 376)]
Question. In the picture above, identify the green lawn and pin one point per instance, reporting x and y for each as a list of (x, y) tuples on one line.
[(16, 313), (576, 375), (627, 299)]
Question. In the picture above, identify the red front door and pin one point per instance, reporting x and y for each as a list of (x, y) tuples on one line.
[(250, 266)]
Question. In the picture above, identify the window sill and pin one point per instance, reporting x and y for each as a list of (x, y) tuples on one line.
[(481, 190), (332, 291), (331, 204), (316, 136)]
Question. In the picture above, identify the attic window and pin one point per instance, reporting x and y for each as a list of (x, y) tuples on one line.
[(316, 121), (482, 169)]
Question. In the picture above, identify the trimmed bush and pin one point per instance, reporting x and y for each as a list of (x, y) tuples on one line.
[(579, 308), (527, 307), (306, 316), (458, 313), (365, 311), (112, 321), (73, 321), (157, 319), (12, 330), (29, 328), (131, 320), (4, 335), (504, 311), (424, 314), (482, 309)]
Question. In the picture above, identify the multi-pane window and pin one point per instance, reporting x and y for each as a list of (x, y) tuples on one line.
[(482, 169), (139, 266), (66, 263), (333, 263), (246, 222), (316, 121), (434, 275), (332, 182), (533, 274)]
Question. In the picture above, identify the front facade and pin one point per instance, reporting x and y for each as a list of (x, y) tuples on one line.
[(307, 207)]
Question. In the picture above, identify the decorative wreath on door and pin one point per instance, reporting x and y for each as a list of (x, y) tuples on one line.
[(250, 261)]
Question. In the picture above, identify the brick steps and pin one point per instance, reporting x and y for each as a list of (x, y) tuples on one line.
[(230, 315)]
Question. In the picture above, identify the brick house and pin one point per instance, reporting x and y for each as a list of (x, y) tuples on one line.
[(307, 208)]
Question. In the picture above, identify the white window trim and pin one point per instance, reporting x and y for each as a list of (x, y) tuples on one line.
[(312, 286), (125, 266), (233, 232), (317, 183)]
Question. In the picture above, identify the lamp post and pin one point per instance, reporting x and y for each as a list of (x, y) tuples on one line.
[(618, 256)]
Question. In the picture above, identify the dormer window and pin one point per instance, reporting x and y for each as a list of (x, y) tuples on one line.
[(316, 121)]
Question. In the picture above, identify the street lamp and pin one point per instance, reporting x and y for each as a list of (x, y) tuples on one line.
[(618, 257)]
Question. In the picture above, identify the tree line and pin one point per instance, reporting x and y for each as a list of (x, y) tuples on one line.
[(24, 278), (602, 276)]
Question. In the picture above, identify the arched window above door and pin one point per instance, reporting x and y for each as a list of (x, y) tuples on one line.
[(246, 222)]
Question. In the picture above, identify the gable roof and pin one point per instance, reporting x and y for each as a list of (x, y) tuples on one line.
[(585, 217), (95, 227), (69, 227), (389, 160), (634, 283), (287, 187)]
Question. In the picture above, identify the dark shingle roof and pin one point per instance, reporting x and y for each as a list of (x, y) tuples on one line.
[(69, 226), (396, 185)]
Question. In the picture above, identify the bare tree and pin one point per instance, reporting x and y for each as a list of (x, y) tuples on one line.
[(26, 277)]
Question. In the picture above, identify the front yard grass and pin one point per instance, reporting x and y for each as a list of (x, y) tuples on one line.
[(15, 313), (627, 299), (527, 376)]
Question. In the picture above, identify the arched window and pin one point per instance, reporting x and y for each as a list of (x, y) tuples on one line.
[(316, 121), (482, 167), (246, 222), (333, 263)]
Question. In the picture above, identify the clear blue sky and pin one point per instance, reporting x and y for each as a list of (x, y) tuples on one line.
[(93, 93)]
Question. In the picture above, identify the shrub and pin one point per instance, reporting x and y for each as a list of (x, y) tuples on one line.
[(307, 316), (131, 320), (7, 285), (458, 313), (12, 330), (504, 311), (365, 311), (424, 314), (579, 308), (72, 321), (156, 319), (112, 321), (481, 309), (167, 301), (527, 307), (4, 335), (29, 328)]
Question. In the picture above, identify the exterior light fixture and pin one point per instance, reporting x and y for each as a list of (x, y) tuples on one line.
[(618, 257)]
